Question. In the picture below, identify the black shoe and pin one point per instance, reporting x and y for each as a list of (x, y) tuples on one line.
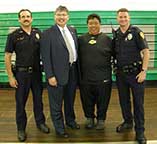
[(43, 128), (100, 125), (140, 138), (73, 125), (124, 127), (89, 123), (21, 135), (62, 135)]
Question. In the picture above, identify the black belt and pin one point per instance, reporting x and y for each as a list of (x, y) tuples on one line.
[(131, 68), (24, 69)]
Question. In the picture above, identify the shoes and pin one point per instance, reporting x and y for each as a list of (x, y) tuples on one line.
[(100, 125), (89, 123), (21, 135), (43, 128), (73, 125), (140, 138), (124, 127), (62, 135)]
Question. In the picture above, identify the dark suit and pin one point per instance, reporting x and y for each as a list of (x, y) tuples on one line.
[(56, 64)]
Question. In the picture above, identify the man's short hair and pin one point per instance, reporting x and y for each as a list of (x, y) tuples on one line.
[(92, 16), (61, 8), (24, 10), (123, 10)]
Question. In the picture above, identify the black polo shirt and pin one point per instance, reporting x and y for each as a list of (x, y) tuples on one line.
[(26, 47)]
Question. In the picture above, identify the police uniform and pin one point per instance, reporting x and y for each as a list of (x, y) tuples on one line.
[(27, 73), (95, 72), (127, 48)]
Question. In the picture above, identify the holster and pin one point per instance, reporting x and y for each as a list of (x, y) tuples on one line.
[(13, 68)]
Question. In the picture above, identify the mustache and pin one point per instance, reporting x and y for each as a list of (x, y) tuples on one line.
[(26, 21)]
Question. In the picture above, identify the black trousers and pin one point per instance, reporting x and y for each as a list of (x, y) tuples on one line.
[(64, 93), (126, 84), (96, 94), (27, 81)]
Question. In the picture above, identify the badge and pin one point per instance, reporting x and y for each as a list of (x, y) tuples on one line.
[(37, 36), (142, 35), (129, 37), (92, 42)]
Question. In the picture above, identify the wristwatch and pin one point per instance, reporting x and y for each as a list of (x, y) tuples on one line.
[(144, 70)]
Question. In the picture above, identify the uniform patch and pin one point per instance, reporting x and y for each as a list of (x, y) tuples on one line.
[(142, 35)]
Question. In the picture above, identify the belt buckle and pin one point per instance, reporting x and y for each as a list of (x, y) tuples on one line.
[(30, 70)]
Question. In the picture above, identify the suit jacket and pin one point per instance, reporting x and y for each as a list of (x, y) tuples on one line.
[(55, 55)]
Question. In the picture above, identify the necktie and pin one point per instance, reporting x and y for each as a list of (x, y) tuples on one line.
[(69, 47)]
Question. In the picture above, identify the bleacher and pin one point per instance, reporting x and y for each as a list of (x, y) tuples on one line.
[(146, 20)]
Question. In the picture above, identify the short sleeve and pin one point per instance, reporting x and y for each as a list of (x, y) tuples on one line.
[(9, 44), (141, 39)]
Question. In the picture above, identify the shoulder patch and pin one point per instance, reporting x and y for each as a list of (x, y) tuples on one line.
[(142, 35)]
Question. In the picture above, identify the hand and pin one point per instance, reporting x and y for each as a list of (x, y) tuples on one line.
[(52, 81), (141, 77), (13, 82)]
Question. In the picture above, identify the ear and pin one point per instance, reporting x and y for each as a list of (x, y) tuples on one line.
[(129, 18), (19, 20), (68, 17)]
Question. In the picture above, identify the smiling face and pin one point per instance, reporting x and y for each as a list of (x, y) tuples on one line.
[(123, 19), (61, 18), (93, 26), (25, 18)]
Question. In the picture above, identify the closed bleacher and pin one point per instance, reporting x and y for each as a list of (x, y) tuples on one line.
[(146, 20)]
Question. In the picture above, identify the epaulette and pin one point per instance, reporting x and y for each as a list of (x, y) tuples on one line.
[(15, 31), (35, 29), (134, 28)]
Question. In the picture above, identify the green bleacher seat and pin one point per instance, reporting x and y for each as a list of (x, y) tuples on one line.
[(146, 20)]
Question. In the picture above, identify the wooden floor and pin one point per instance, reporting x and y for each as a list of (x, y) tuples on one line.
[(8, 127)]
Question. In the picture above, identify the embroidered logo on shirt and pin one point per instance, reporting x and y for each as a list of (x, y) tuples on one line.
[(92, 42)]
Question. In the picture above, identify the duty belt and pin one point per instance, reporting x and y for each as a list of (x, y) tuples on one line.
[(24, 69), (131, 68)]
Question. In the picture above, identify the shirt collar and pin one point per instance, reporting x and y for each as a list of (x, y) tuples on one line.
[(61, 29)]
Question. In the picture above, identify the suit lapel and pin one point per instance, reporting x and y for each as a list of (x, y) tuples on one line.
[(59, 35), (61, 39)]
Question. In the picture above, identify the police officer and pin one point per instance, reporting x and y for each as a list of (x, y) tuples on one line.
[(95, 66), (27, 73), (129, 42)]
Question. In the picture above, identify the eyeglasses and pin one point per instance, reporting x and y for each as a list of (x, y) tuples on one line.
[(61, 15)]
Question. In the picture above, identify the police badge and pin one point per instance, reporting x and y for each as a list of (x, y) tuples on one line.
[(129, 37), (37, 36)]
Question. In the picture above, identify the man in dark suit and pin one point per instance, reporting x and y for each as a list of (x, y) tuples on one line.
[(59, 54)]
